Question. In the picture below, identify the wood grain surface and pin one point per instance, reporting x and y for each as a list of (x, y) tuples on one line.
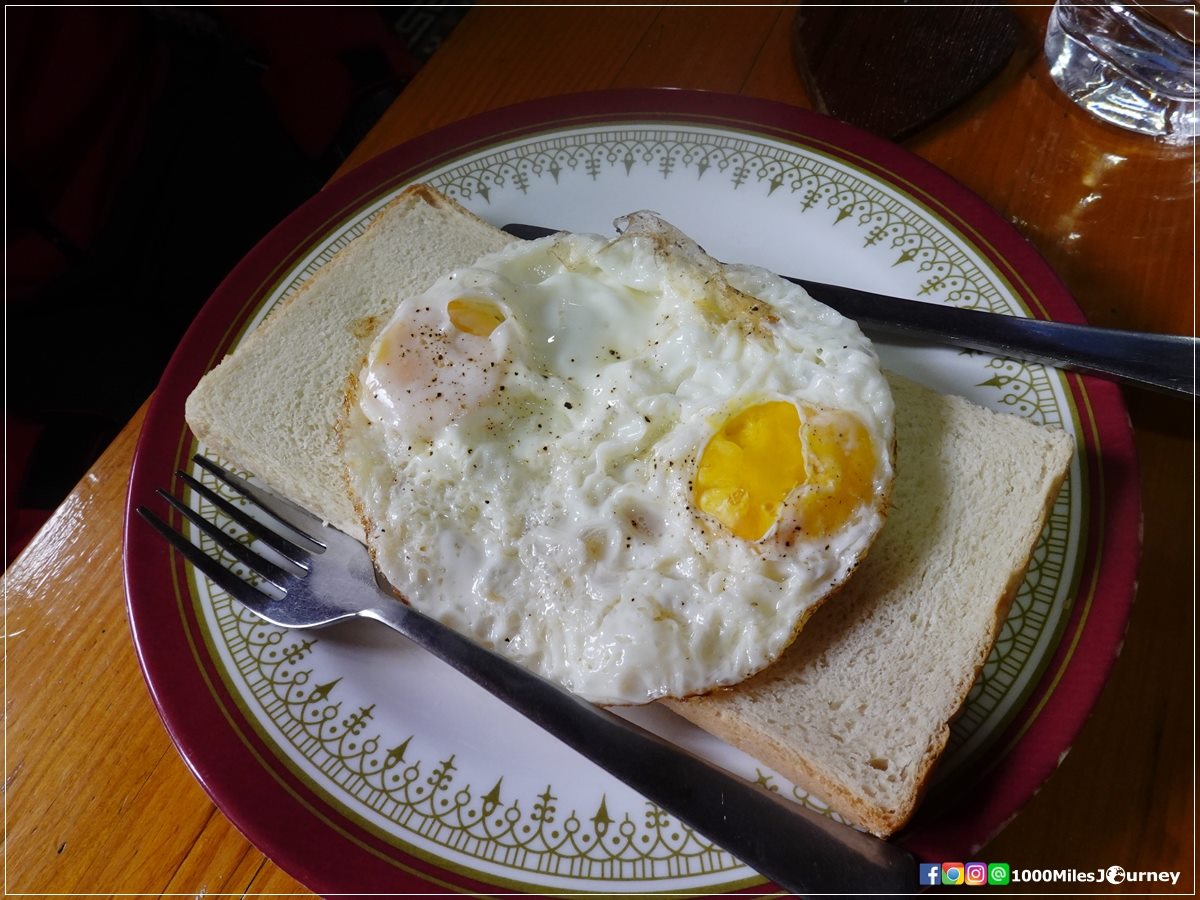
[(98, 801)]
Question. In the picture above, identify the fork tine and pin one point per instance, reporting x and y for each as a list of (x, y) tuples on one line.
[(257, 528), (300, 521), (242, 590), (259, 564)]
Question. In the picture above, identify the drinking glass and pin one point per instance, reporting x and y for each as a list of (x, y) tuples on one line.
[(1132, 64)]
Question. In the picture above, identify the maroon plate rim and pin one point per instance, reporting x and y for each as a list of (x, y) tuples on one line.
[(328, 853)]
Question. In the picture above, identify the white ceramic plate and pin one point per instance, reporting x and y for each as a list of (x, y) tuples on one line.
[(397, 763)]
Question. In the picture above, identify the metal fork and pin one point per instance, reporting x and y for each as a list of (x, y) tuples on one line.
[(320, 576)]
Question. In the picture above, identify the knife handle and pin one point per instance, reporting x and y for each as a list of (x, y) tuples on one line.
[(1163, 362)]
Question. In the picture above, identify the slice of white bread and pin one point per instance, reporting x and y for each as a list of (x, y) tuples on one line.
[(271, 405), (858, 709), (970, 499)]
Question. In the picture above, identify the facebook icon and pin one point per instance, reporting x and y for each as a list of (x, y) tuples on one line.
[(931, 873)]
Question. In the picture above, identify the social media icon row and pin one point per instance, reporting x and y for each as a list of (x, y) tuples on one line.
[(956, 873)]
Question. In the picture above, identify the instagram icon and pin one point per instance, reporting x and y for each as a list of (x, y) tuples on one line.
[(976, 873)]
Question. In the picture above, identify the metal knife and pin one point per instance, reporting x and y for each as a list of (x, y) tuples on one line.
[(1163, 362)]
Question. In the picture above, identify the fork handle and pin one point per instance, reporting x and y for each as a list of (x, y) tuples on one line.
[(801, 851)]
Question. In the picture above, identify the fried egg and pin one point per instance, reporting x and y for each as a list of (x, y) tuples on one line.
[(622, 464)]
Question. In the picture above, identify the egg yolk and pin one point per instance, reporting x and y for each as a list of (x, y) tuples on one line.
[(819, 462), (474, 315)]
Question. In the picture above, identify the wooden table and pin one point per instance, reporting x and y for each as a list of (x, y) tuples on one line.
[(98, 800)]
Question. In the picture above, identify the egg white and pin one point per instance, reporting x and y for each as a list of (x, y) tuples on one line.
[(534, 489)]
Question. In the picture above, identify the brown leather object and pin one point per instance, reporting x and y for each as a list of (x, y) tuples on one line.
[(894, 69)]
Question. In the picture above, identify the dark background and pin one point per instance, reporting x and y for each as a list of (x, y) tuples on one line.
[(147, 150)]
